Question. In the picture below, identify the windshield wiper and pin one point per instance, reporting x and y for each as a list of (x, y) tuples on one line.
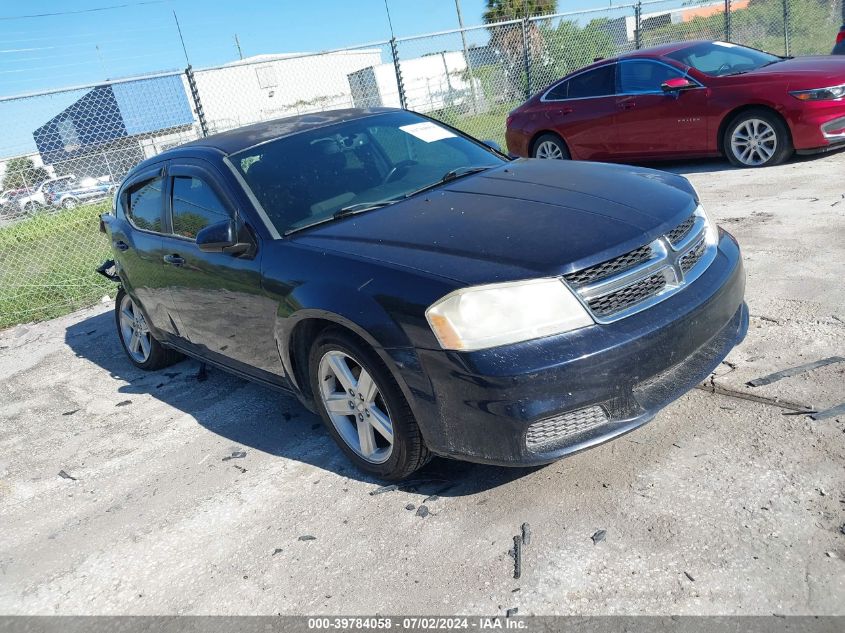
[(361, 207), (450, 175), (352, 209)]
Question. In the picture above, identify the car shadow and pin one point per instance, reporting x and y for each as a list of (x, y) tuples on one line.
[(256, 417)]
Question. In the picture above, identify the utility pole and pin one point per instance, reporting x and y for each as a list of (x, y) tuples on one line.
[(181, 39), (466, 57), (238, 44)]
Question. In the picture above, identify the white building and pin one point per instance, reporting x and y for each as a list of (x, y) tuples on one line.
[(431, 82), (266, 87)]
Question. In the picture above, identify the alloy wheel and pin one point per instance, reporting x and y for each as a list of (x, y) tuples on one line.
[(356, 406), (134, 331), (549, 150), (70, 203), (754, 142)]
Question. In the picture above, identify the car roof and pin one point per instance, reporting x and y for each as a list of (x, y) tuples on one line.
[(241, 138), (663, 49)]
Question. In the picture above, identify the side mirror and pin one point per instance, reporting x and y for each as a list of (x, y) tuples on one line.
[(222, 237), (493, 145), (677, 84)]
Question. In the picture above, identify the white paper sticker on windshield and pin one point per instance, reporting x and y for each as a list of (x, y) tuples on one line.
[(427, 131)]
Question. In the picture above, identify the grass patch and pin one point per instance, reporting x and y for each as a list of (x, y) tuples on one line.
[(47, 264)]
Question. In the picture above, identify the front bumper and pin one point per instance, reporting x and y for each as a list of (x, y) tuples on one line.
[(819, 126), (480, 405)]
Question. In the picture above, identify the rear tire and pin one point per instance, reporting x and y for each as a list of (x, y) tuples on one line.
[(550, 146), (757, 138), (374, 427), (69, 203), (142, 349)]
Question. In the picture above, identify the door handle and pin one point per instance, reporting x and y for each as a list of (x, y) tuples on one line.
[(121, 245), (627, 105), (175, 260), (565, 111)]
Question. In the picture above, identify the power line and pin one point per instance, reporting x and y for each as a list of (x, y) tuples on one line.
[(78, 11)]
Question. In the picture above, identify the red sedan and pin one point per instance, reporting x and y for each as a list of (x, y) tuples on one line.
[(687, 99)]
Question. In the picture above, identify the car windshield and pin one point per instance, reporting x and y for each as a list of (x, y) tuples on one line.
[(721, 58), (319, 175)]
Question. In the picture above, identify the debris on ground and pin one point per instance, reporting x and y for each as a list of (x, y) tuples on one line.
[(526, 534), (511, 612), (829, 413), (70, 412), (516, 552), (794, 371), (234, 455), (598, 535), (240, 468), (422, 511), (278, 550), (64, 475), (307, 537), (123, 403), (842, 529), (202, 373), (431, 498), (410, 506), (688, 575), (384, 489)]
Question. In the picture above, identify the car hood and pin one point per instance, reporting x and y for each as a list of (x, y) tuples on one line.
[(805, 72), (528, 218)]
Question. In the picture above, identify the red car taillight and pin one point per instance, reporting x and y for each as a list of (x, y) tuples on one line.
[(841, 37)]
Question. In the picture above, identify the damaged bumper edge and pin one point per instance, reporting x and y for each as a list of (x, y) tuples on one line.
[(108, 269)]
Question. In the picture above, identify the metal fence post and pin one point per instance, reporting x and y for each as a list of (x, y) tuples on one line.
[(400, 86), (526, 56), (728, 20), (195, 95), (786, 27), (638, 22)]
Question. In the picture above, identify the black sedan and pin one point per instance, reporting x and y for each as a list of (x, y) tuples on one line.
[(422, 292)]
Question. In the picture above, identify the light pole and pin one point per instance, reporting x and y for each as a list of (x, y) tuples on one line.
[(466, 57)]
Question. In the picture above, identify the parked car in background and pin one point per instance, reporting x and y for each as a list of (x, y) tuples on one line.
[(839, 47), (687, 99), (68, 193), (421, 292), (36, 198)]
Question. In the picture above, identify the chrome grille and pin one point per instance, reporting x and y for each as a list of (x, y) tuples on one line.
[(677, 234), (646, 275), (628, 296), (693, 256), (610, 267), (560, 427)]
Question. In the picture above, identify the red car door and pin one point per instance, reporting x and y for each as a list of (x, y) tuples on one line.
[(650, 123), (581, 110)]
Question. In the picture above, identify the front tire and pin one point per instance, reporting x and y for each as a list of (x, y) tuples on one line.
[(550, 146), (142, 349), (69, 203), (757, 138), (363, 407)]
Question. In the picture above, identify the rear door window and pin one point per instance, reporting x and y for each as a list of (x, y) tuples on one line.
[(195, 206), (599, 82), (144, 205)]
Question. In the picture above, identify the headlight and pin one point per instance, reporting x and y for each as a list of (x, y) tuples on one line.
[(498, 314), (820, 94), (712, 228)]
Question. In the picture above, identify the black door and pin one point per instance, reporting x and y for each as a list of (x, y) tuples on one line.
[(218, 296), (137, 240)]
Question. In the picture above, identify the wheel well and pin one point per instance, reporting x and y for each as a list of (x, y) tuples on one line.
[(733, 114), (299, 347), (543, 133)]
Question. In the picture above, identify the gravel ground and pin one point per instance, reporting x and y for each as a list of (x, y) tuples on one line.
[(123, 492)]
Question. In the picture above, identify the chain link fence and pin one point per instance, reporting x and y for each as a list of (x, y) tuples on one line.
[(63, 152)]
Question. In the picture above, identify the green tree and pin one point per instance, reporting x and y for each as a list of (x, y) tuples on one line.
[(22, 173), (501, 10)]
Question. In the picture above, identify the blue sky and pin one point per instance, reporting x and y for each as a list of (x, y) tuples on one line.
[(86, 43), (38, 53)]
